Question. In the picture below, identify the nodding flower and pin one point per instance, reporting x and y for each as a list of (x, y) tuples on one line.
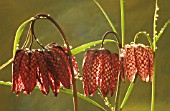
[(100, 69), (47, 67), (52, 66), (137, 59)]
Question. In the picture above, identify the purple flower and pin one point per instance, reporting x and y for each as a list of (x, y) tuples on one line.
[(100, 69), (138, 58), (46, 68)]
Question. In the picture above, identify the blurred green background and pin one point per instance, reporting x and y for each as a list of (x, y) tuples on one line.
[(83, 22)]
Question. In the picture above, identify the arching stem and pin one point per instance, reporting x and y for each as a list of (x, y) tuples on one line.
[(115, 35), (44, 16)]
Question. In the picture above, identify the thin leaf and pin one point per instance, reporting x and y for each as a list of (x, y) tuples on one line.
[(66, 92), (16, 41), (18, 34), (5, 64), (162, 30), (88, 45), (107, 17)]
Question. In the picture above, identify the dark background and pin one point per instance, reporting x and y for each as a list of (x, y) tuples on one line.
[(83, 22)]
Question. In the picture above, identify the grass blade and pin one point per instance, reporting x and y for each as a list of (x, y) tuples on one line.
[(88, 45), (162, 30), (5, 64), (106, 16)]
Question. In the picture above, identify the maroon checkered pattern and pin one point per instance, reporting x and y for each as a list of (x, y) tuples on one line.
[(138, 58), (100, 69), (46, 68)]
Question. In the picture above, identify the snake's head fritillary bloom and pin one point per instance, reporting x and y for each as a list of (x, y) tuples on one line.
[(138, 58), (24, 71), (59, 67), (100, 69), (46, 68)]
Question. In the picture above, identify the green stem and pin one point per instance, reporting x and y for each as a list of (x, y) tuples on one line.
[(123, 43), (127, 95), (44, 16), (146, 35), (153, 87), (154, 26), (154, 49), (122, 21)]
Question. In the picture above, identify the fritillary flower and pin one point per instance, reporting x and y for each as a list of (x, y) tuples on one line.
[(58, 65), (46, 68), (138, 58), (100, 69), (24, 71)]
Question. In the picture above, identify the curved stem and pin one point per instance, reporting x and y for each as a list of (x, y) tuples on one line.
[(33, 34), (44, 16), (146, 35), (110, 32)]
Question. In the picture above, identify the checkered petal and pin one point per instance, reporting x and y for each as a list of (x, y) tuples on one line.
[(138, 58), (151, 62), (142, 62), (100, 68), (116, 71), (108, 72), (28, 71), (52, 75), (42, 72), (61, 64), (91, 69), (16, 77), (130, 62)]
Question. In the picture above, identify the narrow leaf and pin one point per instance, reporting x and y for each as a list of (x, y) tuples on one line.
[(107, 17), (162, 30), (5, 64), (66, 92), (16, 41), (88, 45), (18, 34)]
